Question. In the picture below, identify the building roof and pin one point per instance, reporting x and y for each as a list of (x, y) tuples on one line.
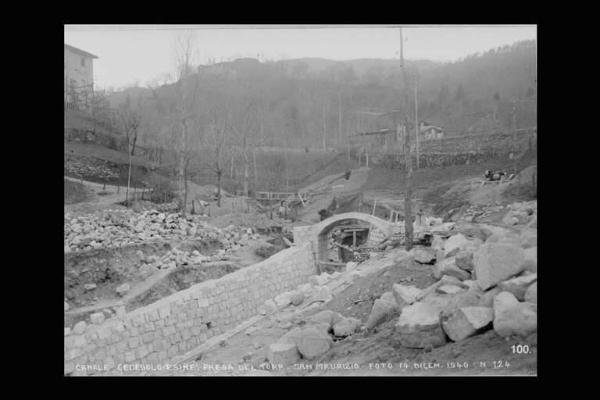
[(79, 51), (384, 131), (427, 127)]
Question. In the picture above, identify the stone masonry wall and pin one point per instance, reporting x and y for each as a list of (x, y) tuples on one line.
[(172, 326)]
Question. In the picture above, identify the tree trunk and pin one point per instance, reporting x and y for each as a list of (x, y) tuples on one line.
[(128, 177), (185, 187), (219, 173), (254, 164), (340, 117), (181, 159), (245, 149), (324, 129), (133, 144)]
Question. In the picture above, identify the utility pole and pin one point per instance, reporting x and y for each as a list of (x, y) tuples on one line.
[(408, 222), (514, 123), (416, 123), (340, 115), (324, 129)]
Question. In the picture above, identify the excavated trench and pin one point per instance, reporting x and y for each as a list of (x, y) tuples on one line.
[(92, 277)]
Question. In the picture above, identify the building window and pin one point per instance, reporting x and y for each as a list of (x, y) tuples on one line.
[(82, 62)]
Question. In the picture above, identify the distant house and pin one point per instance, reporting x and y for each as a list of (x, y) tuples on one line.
[(430, 132), (78, 78)]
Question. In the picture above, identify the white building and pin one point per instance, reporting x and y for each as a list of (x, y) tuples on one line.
[(78, 78)]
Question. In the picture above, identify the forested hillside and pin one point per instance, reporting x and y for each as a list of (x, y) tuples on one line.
[(314, 102)]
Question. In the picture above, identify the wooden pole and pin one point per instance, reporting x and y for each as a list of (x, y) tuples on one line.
[(416, 124), (408, 225)]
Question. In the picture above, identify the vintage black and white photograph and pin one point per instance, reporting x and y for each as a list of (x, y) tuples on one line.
[(300, 200)]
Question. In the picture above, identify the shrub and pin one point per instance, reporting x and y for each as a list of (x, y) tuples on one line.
[(162, 189)]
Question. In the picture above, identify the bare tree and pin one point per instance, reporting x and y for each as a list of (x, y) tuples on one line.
[(186, 94), (215, 140), (130, 120), (244, 118)]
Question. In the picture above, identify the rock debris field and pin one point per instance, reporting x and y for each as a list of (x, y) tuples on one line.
[(117, 228)]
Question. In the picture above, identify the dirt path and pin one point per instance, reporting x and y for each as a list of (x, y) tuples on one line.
[(326, 189), (102, 197)]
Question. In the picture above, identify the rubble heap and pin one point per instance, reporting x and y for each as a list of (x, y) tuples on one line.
[(482, 284), (259, 222), (86, 166), (118, 228)]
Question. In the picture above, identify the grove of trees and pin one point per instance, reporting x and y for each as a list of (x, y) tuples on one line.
[(228, 110)]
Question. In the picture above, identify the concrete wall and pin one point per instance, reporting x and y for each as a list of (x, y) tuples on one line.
[(176, 324)]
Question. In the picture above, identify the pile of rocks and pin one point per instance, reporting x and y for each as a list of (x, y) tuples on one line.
[(177, 257), (86, 166), (481, 285), (121, 228), (524, 213), (314, 335), (477, 212)]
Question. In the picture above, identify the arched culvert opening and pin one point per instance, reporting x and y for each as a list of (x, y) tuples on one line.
[(364, 229), (337, 240)]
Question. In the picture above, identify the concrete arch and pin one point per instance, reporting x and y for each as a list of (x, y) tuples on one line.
[(319, 232)]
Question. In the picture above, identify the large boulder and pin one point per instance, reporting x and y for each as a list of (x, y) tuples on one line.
[(283, 353), (327, 317), (346, 327), (512, 317), (437, 243), (268, 307), (383, 309), (473, 230), (466, 321), (319, 280), (419, 326), (533, 222), (487, 298), (514, 217), (322, 294), (455, 243), (464, 260), (449, 289), (518, 286), (405, 295), (291, 336), (297, 297), (528, 239), (123, 289), (448, 267), (283, 300), (496, 262), (452, 302), (531, 293), (530, 262), (507, 238), (313, 342), (423, 255)]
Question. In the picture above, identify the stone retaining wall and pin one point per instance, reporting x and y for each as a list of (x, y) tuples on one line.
[(176, 324)]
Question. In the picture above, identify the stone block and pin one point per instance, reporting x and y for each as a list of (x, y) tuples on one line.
[(419, 326), (97, 318), (496, 262), (283, 353), (512, 317), (466, 321)]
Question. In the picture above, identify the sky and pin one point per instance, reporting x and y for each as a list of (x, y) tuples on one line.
[(139, 54)]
